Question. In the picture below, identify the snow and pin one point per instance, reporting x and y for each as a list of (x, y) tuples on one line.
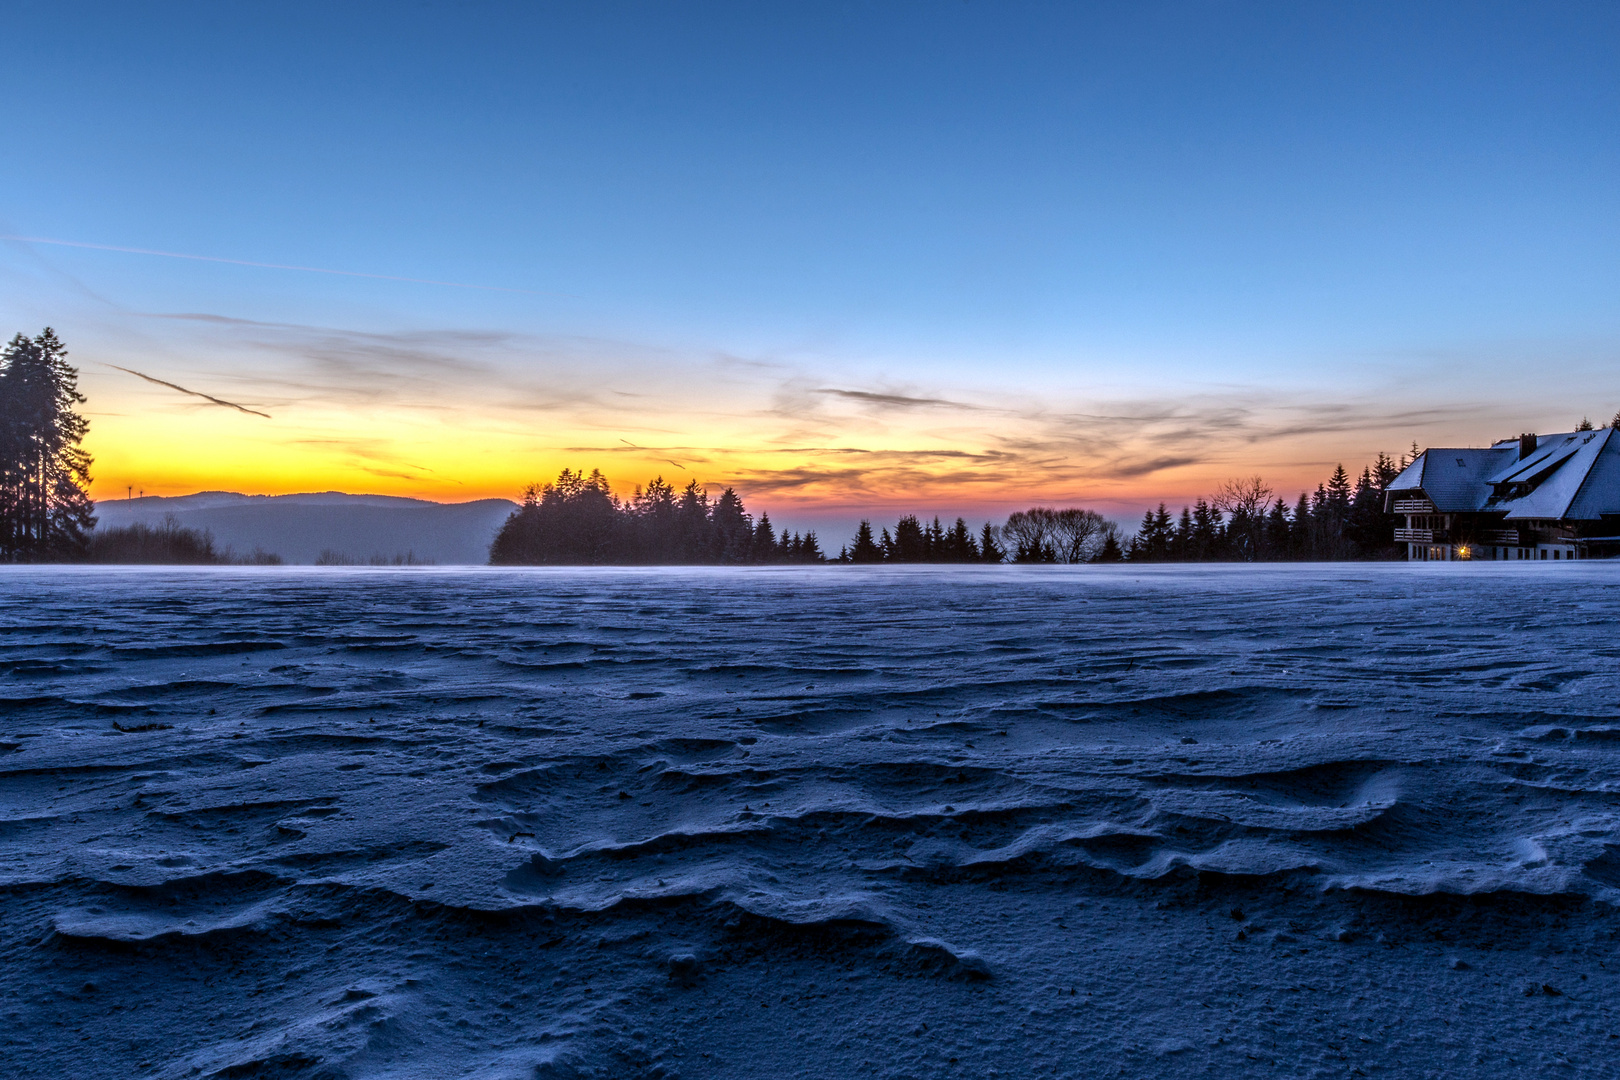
[(831, 822)]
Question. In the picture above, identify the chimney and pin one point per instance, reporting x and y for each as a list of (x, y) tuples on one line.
[(1527, 445)]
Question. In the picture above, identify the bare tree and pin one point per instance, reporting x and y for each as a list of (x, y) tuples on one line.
[(1027, 532), (1073, 535), (1244, 502), (1078, 534), (1249, 496)]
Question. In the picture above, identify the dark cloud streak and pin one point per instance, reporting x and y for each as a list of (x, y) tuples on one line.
[(194, 393)]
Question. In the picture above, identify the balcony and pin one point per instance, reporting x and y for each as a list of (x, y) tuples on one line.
[(1500, 537), (1419, 536), (1414, 506)]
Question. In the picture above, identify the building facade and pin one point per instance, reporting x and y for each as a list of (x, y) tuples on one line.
[(1549, 497)]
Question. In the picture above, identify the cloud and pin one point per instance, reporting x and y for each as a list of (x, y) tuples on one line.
[(194, 393), (898, 401)]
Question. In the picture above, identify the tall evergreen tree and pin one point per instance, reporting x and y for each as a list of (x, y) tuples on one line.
[(990, 550), (45, 509), (764, 546), (959, 545), (910, 543), (865, 549), (936, 542), (1206, 531)]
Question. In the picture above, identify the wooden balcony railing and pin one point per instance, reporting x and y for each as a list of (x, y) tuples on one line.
[(1414, 506), (1417, 536)]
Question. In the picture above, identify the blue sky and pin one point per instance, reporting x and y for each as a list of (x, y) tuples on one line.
[(1063, 225)]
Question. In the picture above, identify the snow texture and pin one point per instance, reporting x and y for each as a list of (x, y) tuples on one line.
[(818, 822)]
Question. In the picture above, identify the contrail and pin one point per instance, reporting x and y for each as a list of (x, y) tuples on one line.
[(673, 462), (193, 393), (272, 266)]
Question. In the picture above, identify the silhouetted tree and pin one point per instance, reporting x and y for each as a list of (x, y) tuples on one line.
[(910, 542), (958, 545), (45, 508), (990, 549), (864, 549)]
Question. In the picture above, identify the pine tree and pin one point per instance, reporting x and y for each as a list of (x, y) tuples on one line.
[(910, 543), (864, 549), (45, 509), (1300, 529), (1205, 531), (1277, 545), (731, 525), (1181, 543), (764, 546), (936, 542), (989, 550)]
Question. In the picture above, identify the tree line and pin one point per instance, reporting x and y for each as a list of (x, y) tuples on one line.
[(579, 521), (1246, 522)]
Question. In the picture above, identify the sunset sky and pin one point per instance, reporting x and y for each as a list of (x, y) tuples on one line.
[(850, 258)]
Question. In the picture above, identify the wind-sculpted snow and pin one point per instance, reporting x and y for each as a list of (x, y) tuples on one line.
[(823, 822)]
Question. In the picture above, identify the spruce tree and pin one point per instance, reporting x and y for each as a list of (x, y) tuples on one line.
[(989, 550), (959, 545), (45, 509), (764, 546), (936, 542), (864, 549)]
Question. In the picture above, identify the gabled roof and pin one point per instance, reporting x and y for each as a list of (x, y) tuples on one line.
[(1545, 484), (1573, 475), (1456, 480)]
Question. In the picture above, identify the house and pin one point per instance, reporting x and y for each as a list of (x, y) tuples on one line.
[(1552, 497)]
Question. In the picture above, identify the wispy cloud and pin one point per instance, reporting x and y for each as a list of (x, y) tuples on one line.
[(897, 401)]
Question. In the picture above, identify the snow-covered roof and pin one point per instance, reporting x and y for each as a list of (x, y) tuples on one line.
[(1571, 475)]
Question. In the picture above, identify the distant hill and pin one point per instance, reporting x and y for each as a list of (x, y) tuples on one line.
[(300, 528)]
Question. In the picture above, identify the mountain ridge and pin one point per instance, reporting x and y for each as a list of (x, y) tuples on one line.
[(309, 527)]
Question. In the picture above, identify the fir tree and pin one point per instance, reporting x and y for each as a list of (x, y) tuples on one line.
[(936, 542), (45, 509), (864, 549), (989, 550), (910, 543), (1206, 531), (959, 545)]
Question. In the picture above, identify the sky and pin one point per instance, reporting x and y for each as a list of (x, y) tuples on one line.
[(854, 259)]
